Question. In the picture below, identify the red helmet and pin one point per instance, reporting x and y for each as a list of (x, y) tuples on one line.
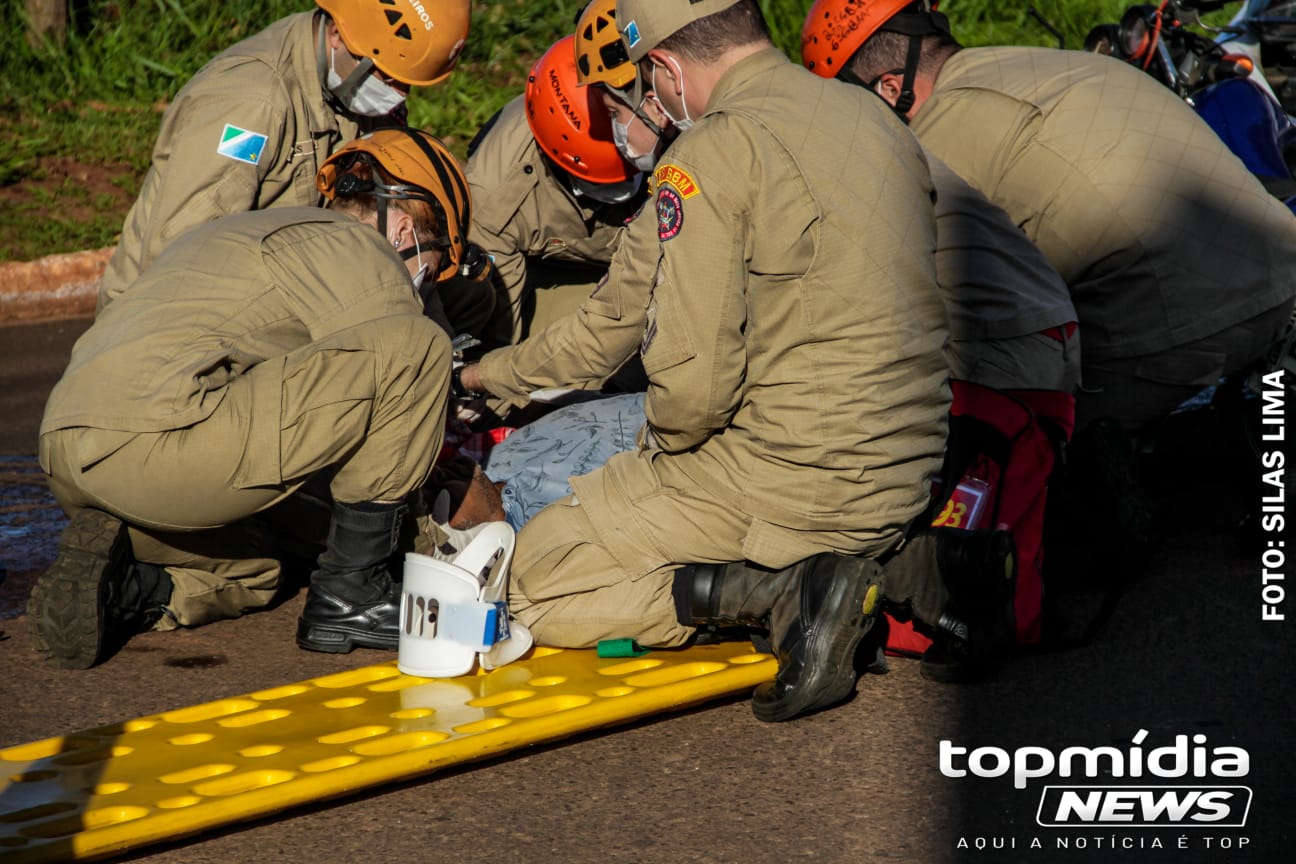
[(835, 29), (569, 122)]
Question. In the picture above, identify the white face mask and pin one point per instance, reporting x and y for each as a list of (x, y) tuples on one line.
[(422, 271), (621, 137), (417, 278), (607, 193), (372, 98), (686, 123)]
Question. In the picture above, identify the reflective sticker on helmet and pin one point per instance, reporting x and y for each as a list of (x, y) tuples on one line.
[(631, 33), (241, 144), (677, 177), (670, 214)]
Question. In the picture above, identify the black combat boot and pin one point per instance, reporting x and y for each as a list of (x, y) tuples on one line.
[(816, 612), (352, 600), (959, 583), (94, 597)]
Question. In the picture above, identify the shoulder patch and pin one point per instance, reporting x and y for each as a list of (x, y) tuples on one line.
[(240, 144), (670, 214), (677, 177)]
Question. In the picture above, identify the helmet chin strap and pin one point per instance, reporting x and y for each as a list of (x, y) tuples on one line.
[(324, 62), (906, 100), (415, 250), (916, 26)]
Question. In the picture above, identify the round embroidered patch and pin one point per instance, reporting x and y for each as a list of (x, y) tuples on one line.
[(670, 214)]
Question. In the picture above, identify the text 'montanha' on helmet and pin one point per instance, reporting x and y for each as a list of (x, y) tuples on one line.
[(416, 42), (421, 169), (569, 122), (835, 29)]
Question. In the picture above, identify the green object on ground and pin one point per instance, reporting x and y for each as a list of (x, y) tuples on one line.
[(620, 648)]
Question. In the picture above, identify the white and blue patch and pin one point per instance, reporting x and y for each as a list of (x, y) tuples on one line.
[(631, 34), (241, 144)]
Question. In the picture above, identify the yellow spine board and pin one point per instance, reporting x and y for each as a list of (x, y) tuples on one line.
[(120, 787)]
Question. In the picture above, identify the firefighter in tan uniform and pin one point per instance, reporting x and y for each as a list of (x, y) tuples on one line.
[(1180, 265), (1011, 318), (552, 194), (1012, 328), (639, 129), (251, 129), (1009, 310), (797, 397), (260, 351), (589, 345), (1012, 324)]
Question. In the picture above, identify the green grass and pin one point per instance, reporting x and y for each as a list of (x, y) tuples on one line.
[(96, 98)]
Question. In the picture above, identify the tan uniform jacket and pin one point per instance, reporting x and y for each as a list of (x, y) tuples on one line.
[(792, 362), (591, 344), (242, 291), (261, 102), (996, 282), (523, 210), (1161, 233), (996, 285)]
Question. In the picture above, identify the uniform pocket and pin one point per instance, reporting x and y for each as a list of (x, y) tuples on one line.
[(666, 343), (605, 299)]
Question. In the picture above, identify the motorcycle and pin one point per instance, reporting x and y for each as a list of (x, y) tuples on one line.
[(1224, 86), (1266, 30)]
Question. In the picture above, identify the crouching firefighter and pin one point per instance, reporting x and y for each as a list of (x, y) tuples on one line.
[(260, 353)]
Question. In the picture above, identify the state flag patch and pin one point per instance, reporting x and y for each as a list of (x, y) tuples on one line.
[(241, 144)]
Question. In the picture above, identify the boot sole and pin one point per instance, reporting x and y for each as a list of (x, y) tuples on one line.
[(66, 606), (832, 680), (954, 672), (330, 639)]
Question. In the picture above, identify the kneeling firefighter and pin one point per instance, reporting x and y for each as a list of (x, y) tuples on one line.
[(260, 353)]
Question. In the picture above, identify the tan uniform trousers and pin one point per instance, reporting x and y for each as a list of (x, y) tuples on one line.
[(367, 404), (1137, 390), (600, 564), (555, 292)]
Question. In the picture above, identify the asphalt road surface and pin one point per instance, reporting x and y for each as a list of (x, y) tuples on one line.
[(1185, 653)]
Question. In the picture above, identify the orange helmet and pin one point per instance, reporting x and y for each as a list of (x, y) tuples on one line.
[(415, 42), (422, 169), (567, 120), (835, 29), (601, 56)]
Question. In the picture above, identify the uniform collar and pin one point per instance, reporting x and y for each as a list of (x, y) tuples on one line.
[(303, 40), (743, 71)]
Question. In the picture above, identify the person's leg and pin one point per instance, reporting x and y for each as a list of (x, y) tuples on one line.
[(535, 462), (215, 573), (1136, 390), (574, 583), (368, 405), (604, 564), (817, 611), (398, 423), (554, 289)]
